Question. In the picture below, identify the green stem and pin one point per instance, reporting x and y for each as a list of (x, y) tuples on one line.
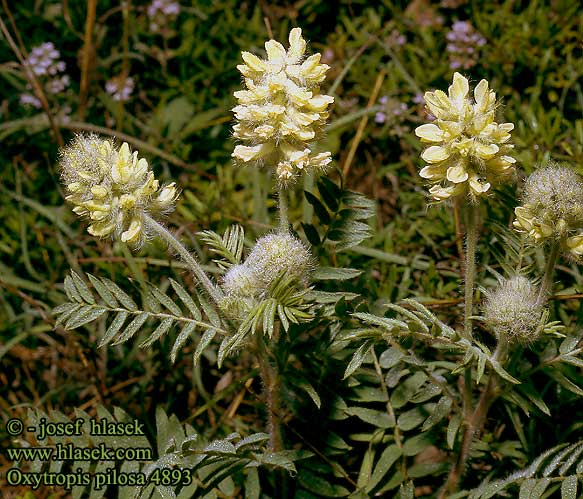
[(475, 422), (470, 274), (283, 208), (214, 291), (271, 391), (471, 418), (547, 281)]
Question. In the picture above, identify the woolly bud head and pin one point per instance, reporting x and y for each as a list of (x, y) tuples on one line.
[(113, 188), (241, 288), (280, 253), (511, 310), (240, 280)]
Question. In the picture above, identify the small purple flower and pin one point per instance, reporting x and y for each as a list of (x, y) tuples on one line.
[(161, 13), (58, 84), (120, 89), (380, 117), (43, 60), (400, 109), (30, 100), (396, 39), (463, 41), (419, 98)]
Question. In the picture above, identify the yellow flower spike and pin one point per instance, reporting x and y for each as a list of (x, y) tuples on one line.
[(467, 151), (113, 187), (281, 110)]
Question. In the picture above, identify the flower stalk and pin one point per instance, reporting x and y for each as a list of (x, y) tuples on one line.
[(213, 291), (470, 270), (547, 280), (271, 393)]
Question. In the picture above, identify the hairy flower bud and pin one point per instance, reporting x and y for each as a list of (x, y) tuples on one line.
[(468, 151), (279, 253), (282, 109), (240, 280), (113, 188), (242, 288), (511, 310), (552, 208)]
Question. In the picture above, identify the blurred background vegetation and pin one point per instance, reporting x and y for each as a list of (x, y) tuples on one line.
[(163, 81)]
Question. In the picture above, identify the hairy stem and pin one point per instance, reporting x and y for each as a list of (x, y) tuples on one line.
[(271, 392), (469, 278), (475, 422), (471, 419), (283, 208), (547, 281), (470, 270), (214, 292)]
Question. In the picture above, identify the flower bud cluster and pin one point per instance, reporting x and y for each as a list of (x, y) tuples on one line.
[(512, 311), (113, 188), (552, 208), (273, 255), (468, 151), (282, 109)]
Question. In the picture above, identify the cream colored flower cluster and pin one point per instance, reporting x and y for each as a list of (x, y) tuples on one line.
[(113, 188), (552, 209), (468, 151), (282, 109)]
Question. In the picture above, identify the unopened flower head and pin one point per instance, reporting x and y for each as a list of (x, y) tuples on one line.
[(113, 188), (552, 208), (282, 109), (467, 151), (280, 253), (240, 280), (511, 310)]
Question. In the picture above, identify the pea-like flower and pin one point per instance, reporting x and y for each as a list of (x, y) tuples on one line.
[(113, 188), (468, 151), (282, 109), (552, 208)]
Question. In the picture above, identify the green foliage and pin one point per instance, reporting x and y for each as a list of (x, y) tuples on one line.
[(107, 298), (211, 467), (229, 247), (373, 389), (285, 301), (342, 214), (557, 469)]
